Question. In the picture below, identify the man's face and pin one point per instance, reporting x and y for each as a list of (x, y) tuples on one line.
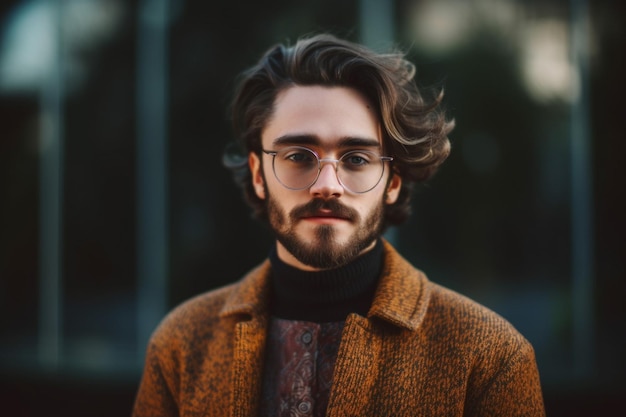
[(322, 226)]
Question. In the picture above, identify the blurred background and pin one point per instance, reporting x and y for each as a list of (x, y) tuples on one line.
[(115, 206)]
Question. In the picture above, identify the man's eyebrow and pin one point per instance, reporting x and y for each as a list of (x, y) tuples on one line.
[(296, 140), (311, 140), (353, 142)]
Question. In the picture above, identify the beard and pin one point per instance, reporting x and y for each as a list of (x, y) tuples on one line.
[(324, 251)]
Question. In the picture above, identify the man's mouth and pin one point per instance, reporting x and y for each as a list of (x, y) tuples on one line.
[(324, 219), (326, 214)]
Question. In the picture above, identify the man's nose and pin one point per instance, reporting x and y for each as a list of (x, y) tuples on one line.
[(327, 184)]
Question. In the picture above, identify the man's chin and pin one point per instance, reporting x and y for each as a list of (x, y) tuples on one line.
[(321, 252), (322, 259)]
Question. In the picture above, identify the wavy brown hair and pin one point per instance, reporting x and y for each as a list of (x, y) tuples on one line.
[(415, 129)]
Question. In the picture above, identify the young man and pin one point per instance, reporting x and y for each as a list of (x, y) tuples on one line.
[(336, 322)]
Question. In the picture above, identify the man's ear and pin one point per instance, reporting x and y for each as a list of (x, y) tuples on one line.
[(254, 162), (393, 189)]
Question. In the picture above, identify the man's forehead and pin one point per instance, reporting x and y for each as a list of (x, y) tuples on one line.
[(322, 116)]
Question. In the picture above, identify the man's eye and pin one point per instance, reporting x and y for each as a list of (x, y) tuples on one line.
[(299, 157), (356, 160)]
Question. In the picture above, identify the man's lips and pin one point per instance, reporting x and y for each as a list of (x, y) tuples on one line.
[(325, 216)]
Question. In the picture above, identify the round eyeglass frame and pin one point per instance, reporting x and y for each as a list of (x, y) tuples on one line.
[(320, 161)]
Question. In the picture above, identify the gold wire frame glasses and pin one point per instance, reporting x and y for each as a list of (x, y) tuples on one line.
[(298, 168)]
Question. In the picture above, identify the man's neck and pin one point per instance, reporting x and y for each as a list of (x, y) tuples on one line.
[(326, 295)]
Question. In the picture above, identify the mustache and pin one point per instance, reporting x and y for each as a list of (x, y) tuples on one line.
[(316, 205)]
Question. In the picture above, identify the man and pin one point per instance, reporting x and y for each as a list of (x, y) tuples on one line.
[(336, 322)]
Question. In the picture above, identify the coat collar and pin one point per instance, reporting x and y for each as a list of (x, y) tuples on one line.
[(403, 293), (401, 299), (250, 295)]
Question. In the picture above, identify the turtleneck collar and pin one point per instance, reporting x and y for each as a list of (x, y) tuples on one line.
[(328, 295)]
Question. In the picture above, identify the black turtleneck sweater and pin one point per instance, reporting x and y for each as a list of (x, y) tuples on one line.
[(328, 295)]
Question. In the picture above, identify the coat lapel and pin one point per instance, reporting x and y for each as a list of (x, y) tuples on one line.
[(356, 369), (248, 367), (249, 306)]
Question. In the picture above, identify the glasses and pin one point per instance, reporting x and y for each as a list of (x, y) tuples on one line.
[(298, 168)]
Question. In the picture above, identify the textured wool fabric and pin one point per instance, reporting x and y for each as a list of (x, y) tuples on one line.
[(422, 350)]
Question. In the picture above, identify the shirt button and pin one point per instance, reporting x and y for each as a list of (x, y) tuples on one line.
[(304, 407), (307, 337)]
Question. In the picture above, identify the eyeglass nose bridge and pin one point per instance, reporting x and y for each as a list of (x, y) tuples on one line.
[(321, 161), (320, 165)]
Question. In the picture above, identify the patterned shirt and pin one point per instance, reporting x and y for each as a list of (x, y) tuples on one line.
[(300, 358)]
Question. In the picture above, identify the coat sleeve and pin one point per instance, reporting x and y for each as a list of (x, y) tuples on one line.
[(513, 389), (155, 395)]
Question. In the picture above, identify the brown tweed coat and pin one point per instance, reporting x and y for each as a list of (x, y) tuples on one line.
[(423, 350)]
